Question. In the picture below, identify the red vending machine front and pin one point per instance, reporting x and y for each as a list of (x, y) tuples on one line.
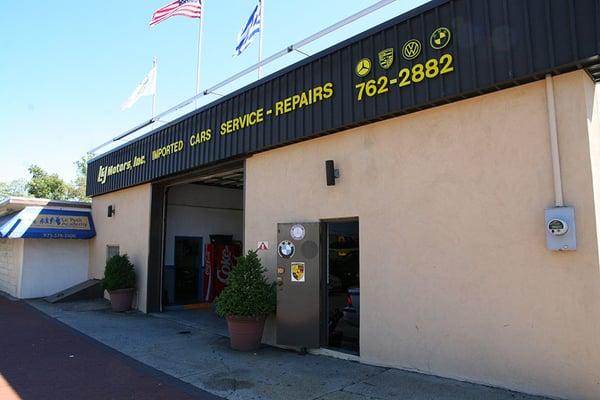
[(220, 259)]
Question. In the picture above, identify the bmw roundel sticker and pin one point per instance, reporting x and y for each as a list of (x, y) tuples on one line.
[(286, 249)]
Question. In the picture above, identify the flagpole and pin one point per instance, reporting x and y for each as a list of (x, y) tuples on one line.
[(261, 4), (155, 66), (200, 34)]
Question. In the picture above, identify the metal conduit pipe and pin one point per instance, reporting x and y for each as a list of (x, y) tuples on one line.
[(552, 126)]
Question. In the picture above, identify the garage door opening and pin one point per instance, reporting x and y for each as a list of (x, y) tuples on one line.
[(203, 234)]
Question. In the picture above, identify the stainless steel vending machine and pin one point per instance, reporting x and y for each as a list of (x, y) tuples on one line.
[(298, 284)]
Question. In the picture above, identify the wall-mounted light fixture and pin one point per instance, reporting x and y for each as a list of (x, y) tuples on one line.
[(331, 173), (111, 211)]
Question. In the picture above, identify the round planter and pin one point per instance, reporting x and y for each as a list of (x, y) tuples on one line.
[(121, 299), (245, 333)]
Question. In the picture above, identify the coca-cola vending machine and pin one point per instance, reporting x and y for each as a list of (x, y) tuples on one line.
[(218, 263)]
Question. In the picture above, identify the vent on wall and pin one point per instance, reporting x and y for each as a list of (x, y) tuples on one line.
[(111, 251)]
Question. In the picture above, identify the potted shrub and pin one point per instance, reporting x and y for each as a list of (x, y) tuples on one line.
[(119, 281), (246, 302)]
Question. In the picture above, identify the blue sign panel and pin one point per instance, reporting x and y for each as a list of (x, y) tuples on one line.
[(44, 223)]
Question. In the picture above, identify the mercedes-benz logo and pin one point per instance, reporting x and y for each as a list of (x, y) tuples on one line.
[(363, 67)]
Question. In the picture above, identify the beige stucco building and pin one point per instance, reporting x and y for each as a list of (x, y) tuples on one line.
[(455, 276), (446, 183), (127, 230), (456, 279)]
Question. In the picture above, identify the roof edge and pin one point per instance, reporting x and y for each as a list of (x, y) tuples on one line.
[(33, 201)]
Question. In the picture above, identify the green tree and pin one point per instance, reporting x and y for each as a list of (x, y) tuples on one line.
[(17, 187), (248, 293), (47, 186), (77, 191)]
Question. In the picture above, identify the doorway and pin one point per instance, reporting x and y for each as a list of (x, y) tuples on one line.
[(187, 271), (342, 278)]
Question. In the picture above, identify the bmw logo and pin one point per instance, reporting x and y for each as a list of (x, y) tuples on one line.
[(286, 249)]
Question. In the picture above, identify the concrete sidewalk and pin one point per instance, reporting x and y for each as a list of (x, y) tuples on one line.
[(202, 358)]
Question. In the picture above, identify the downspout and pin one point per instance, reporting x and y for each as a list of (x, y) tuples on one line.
[(558, 192)]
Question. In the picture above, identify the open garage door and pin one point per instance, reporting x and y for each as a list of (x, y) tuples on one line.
[(196, 232)]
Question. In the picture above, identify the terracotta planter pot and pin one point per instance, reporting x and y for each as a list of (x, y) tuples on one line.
[(245, 333), (121, 299)]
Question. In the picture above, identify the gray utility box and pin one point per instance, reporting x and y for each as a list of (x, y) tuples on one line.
[(560, 229), (298, 285)]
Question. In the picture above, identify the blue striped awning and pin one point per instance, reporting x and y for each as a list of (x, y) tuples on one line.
[(47, 223)]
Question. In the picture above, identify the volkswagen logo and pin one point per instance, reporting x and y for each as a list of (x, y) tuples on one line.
[(411, 49)]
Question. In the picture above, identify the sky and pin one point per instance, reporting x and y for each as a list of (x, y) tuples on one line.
[(66, 67)]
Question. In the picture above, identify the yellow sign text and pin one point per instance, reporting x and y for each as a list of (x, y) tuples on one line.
[(167, 150), (246, 120), (314, 95), (105, 171), (201, 137)]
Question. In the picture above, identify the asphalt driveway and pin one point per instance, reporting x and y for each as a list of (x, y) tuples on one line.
[(41, 358)]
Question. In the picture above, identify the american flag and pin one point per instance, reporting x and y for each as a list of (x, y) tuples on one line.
[(187, 8)]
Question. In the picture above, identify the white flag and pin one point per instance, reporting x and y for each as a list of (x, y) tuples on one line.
[(147, 87)]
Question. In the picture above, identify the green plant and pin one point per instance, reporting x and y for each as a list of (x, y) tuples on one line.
[(119, 273), (248, 294)]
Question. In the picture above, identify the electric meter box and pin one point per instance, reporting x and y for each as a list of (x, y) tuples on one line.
[(560, 229)]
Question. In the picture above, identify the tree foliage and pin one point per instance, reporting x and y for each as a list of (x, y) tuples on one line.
[(50, 186), (47, 186), (78, 184), (17, 187), (248, 294), (119, 273)]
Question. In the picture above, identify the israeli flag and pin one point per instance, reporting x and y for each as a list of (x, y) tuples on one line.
[(248, 32)]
